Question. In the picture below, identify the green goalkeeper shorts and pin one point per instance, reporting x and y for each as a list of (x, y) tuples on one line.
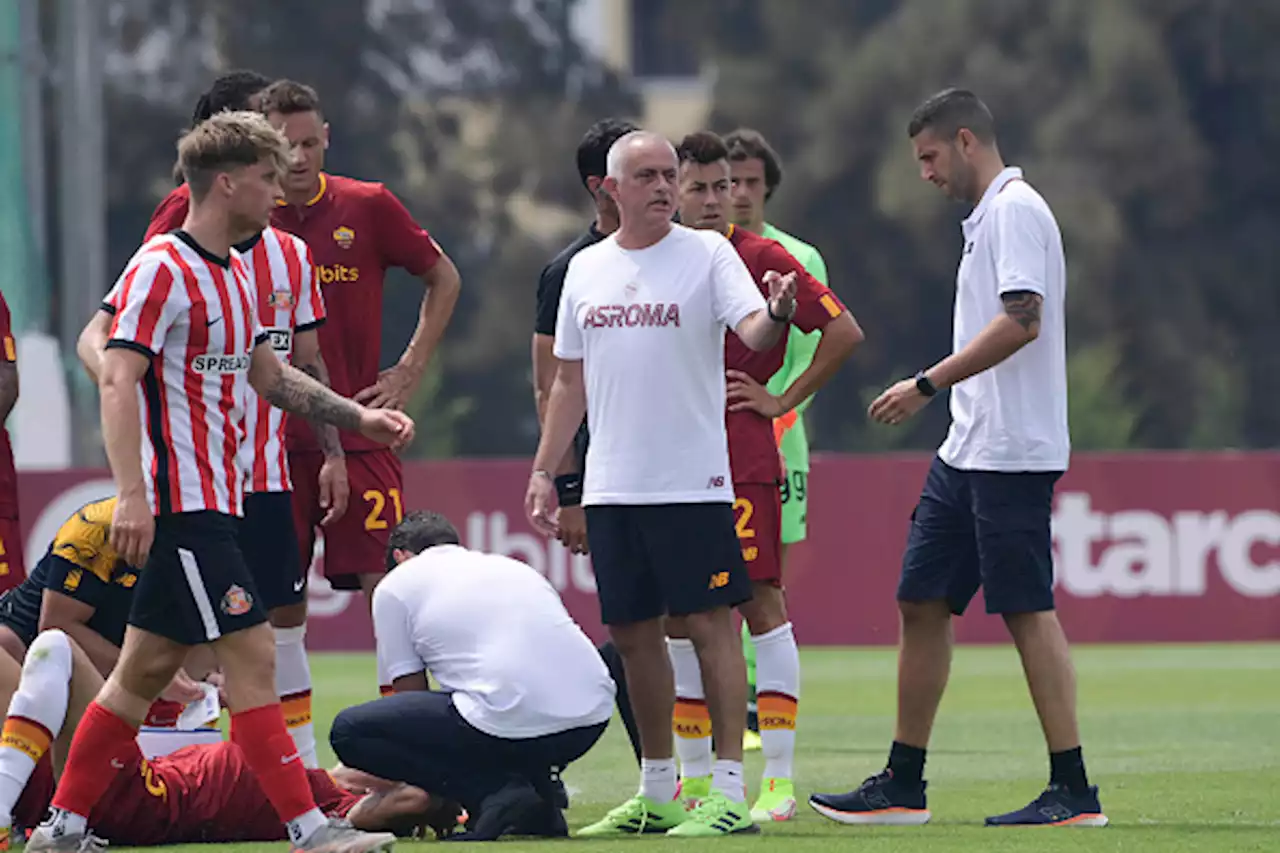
[(795, 507)]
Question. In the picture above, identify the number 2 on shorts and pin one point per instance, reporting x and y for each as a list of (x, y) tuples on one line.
[(377, 503)]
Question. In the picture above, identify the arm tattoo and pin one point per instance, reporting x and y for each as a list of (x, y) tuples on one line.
[(8, 389), (299, 394), (1023, 307), (327, 434)]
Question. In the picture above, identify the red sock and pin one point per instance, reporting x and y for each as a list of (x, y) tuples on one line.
[(103, 745), (273, 757)]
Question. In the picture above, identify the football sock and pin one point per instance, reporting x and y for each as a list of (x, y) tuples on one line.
[(1067, 768), (726, 777), (779, 696), (749, 654), (658, 779), (691, 721), (906, 763), (36, 714), (273, 757), (293, 685), (103, 745)]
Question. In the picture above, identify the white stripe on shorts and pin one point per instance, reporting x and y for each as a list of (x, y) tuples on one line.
[(191, 569)]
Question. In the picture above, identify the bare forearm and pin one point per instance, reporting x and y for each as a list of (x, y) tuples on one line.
[(443, 287), (101, 652), (759, 332), (998, 341), (834, 348), (565, 410), (326, 434), (8, 389), (299, 394), (122, 435), (89, 345)]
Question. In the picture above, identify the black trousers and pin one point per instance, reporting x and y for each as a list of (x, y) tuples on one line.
[(421, 739)]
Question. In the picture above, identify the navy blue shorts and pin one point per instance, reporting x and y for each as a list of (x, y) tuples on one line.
[(981, 528), (665, 559)]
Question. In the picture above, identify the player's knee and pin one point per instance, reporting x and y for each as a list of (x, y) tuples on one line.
[(922, 613), (288, 616), (711, 628), (639, 639), (50, 650)]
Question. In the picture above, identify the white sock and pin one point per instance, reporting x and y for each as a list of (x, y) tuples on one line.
[(658, 779), (293, 686), (301, 827), (778, 696), (691, 721), (62, 822), (36, 714), (726, 777)]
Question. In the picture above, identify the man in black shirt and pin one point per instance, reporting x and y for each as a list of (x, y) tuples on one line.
[(593, 151)]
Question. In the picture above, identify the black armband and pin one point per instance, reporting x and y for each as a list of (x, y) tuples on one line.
[(569, 489)]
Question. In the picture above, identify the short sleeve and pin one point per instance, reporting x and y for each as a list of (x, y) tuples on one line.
[(7, 344), (569, 345), (1021, 249), (111, 302), (150, 301), (169, 214), (75, 581), (734, 295), (816, 305), (402, 241), (817, 267), (310, 311), (396, 654), (550, 286)]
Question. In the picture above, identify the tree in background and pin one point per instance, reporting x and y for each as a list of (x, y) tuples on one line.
[(1144, 122), (469, 110)]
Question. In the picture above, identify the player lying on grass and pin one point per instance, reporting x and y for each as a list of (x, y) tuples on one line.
[(203, 793), (82, 587)]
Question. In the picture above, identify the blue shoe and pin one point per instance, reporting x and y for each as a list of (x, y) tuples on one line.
[(879, 801), (1056, 807)]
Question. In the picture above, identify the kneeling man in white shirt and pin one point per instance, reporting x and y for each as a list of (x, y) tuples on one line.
[(523, 690)]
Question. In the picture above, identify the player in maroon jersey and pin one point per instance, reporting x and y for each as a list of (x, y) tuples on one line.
[(204, 793), (704, 187), (12, 567), (357, 230)]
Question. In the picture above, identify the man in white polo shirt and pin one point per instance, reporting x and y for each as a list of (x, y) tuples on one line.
[(523, 690), (641, 339), (983, 517)]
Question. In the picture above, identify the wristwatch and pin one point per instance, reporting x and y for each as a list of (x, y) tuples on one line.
[(777, 318), (924, 386)]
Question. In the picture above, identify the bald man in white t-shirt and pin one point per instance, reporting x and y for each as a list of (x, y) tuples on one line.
[(641, 336), (523, 694)]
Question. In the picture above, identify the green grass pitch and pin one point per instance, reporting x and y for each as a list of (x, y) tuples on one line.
[(1183, 740)]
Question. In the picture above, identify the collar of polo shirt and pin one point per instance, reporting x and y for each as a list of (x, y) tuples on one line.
[(1010, 173)]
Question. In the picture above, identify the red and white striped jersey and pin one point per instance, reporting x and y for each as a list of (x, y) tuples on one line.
[(193, 314), (282, 276)]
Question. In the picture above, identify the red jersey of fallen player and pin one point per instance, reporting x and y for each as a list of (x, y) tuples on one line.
[(8, 475), (753, 453), (357, 230), (196, 794)]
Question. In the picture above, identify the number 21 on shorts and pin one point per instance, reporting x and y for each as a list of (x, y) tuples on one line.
[(377, 501)]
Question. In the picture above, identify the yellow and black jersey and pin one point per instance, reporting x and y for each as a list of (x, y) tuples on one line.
[(80, 564)]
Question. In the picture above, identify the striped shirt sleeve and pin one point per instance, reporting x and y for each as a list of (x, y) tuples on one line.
[(150, 299)]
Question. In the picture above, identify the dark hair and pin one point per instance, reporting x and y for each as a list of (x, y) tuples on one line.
[(288, 97), (950, 110), (593, 150), (419, 531), (703, 148), (234, 91), (747, 144)]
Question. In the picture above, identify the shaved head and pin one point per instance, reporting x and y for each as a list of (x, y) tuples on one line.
[(636, 142)]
